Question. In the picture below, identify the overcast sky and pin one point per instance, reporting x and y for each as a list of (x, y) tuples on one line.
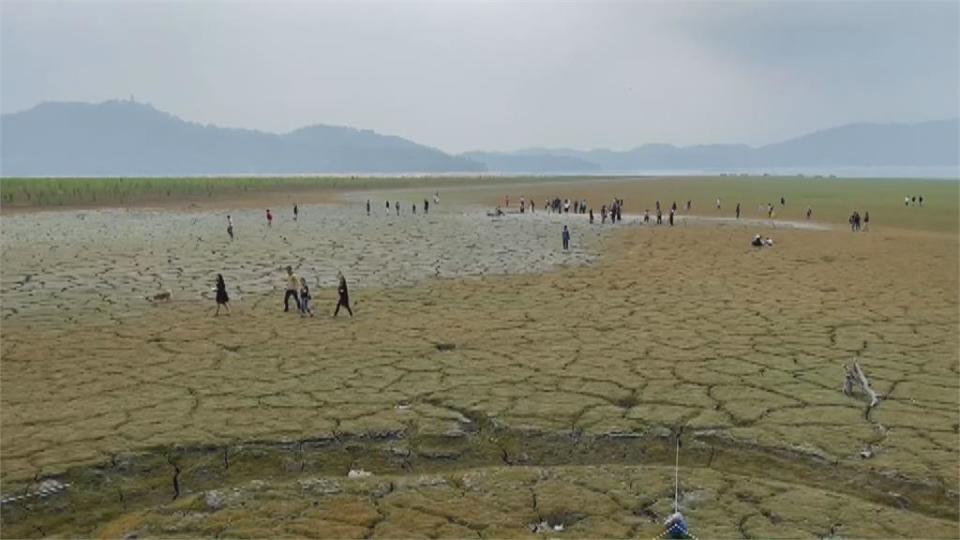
[(464, 76)]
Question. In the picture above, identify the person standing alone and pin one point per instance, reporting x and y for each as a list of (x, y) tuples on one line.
[(566, 238), (222, 298), (343, 295)]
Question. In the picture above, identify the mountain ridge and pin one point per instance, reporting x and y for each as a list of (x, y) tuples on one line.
[(862, 144), (123, 137), (129, 138)]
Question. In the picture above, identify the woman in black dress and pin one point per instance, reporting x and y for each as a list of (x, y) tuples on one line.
[(344, 296), (222, 298)]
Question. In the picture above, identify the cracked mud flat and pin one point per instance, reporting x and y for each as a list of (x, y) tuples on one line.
[(482, 406), (58, 263)]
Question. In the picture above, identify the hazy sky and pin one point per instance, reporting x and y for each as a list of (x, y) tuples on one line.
[(463, 76)]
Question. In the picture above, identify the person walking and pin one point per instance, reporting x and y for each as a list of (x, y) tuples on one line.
[(230, 226), (738, 210), (305, 298), (566, 238), (591, 216), (293, 284), (388, 208), (223, 300), (646, 215), (368, 207), (866, 221), (296, 211), (396, 204), (671, 217), (659, 217), (809, 212), (426, 206), (269, 218), (343, 299)]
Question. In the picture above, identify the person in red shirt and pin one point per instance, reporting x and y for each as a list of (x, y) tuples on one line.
[(269, 218)]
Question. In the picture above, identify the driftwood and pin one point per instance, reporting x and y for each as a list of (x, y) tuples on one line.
[(854, 376)]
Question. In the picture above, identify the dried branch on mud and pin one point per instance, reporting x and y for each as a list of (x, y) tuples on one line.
[(855, 376)]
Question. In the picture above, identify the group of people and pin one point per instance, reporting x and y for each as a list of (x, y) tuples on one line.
[(413, 206), (297, 289), (673, 211), (759, 241), (913, 200), (858, 223), (615, 210), (565, 206)]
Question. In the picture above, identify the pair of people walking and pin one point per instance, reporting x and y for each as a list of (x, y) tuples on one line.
[(298, 290)]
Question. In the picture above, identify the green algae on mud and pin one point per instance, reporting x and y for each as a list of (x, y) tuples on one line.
[(131, 493), (51, 193)]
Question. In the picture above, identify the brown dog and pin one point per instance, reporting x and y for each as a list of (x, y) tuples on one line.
[(164, 296)]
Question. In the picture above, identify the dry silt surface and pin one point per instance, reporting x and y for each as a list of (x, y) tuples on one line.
[(490, 383)]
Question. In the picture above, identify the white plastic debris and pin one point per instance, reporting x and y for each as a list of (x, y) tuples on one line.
[(358, 473)]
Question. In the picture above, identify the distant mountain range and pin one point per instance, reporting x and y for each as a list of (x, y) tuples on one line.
[(129, 138), (925, 144)]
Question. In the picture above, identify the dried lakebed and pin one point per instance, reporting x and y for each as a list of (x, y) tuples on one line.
[(499, 405)]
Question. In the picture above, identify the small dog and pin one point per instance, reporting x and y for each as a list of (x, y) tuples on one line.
[(164, 296)]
